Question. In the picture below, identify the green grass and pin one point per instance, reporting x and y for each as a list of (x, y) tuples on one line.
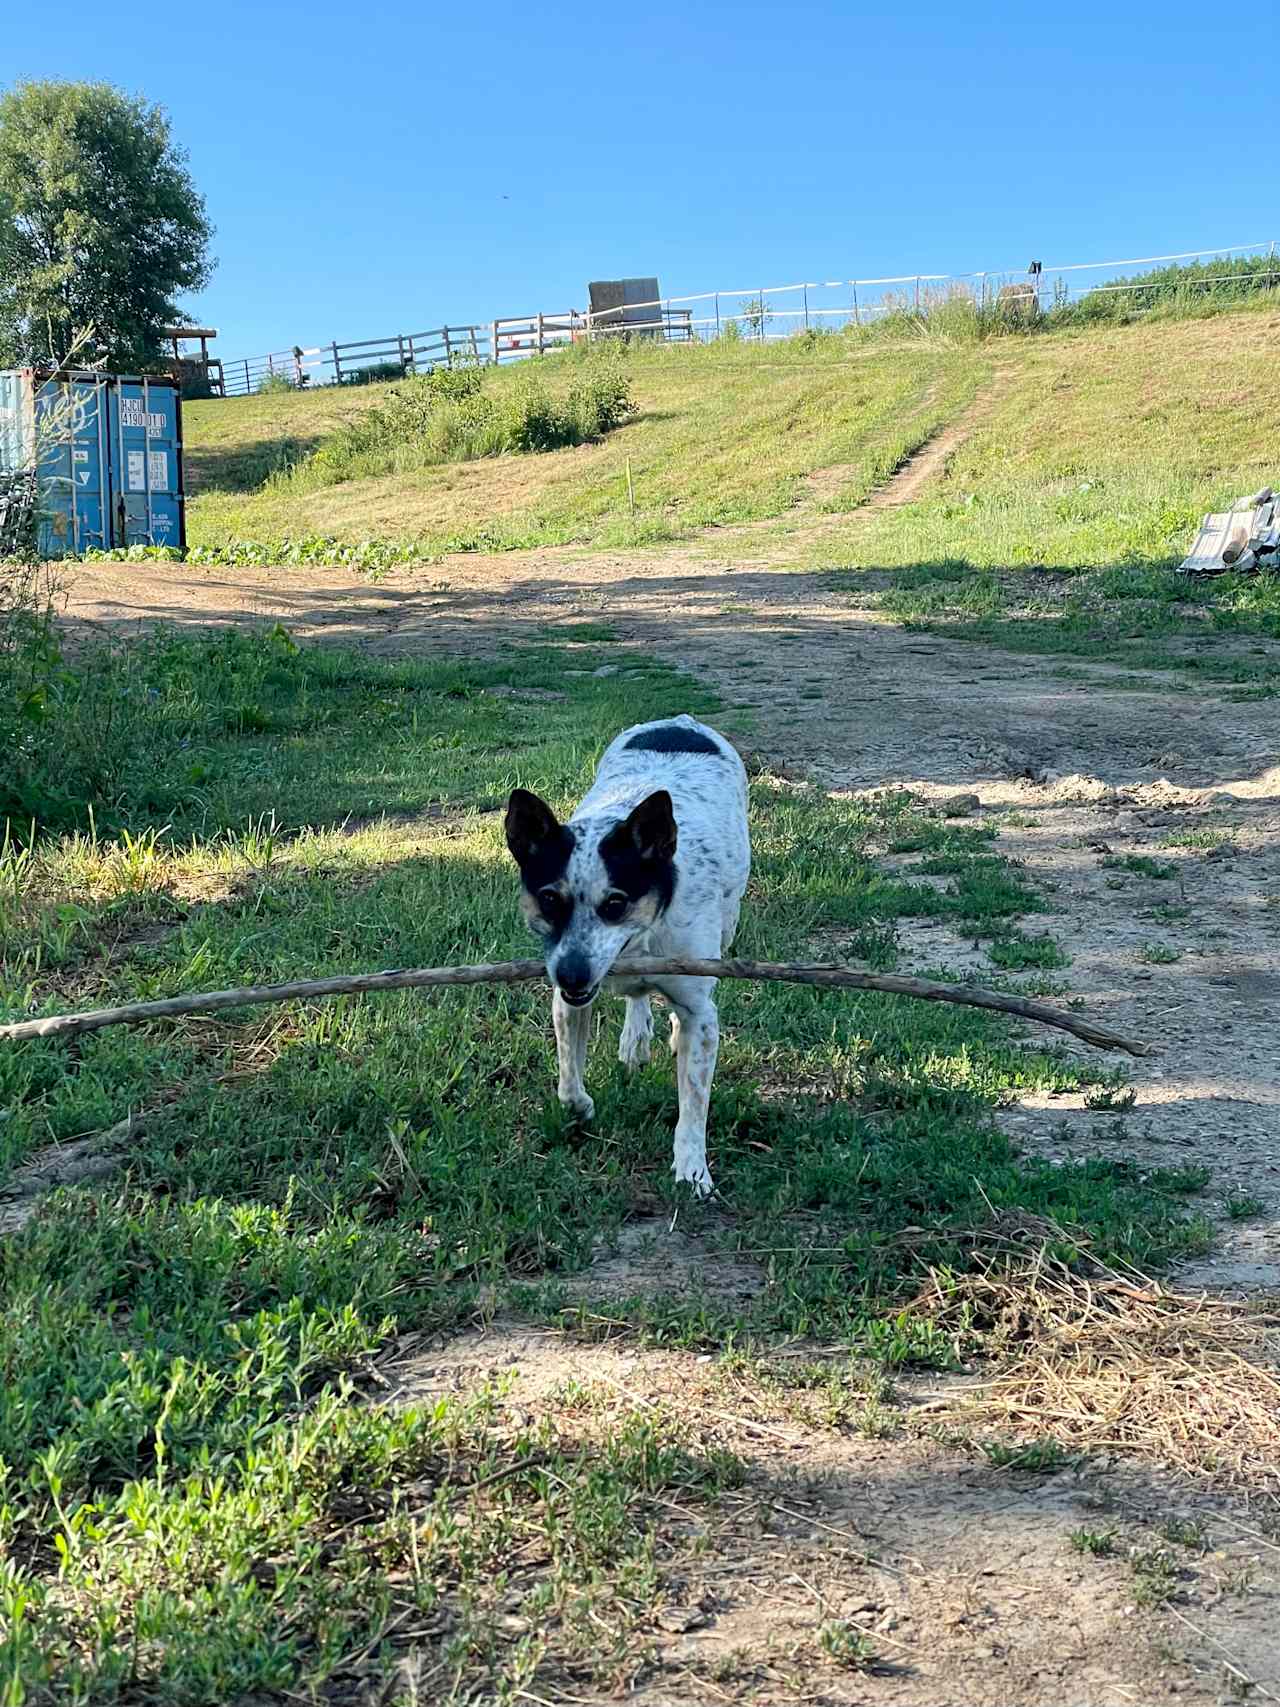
[(725, 433), (1155, 1576), (1160, 953), (232, 445), (198, 1503), (847, 1645), (1141, 865), (1098, 1543), (1243, 1206), (1017, 952), (1190, 1532), (1042, 1455), (1059, 521)]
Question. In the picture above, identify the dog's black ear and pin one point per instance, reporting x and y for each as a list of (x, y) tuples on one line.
[(651, 828), (531, 825)]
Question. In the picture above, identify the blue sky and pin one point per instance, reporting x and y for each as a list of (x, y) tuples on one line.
[(392, 167)]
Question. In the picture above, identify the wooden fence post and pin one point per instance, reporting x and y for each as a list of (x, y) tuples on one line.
[(337, 365), (448, 347), (539, 331), (493, 342)]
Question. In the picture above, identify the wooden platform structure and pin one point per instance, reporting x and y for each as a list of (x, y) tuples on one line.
[(194, 373)]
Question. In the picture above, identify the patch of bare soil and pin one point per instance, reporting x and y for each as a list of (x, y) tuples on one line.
[(963, 1574), (653, 1255), (77, 1162), (964, 1578)]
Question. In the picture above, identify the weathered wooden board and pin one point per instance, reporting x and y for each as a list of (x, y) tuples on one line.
[(1237, 538), (1205, 556)]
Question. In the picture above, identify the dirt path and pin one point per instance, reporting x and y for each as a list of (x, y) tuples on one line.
[(980, 1598), (1097, 764)]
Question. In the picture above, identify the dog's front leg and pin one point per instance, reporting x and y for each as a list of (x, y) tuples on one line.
[(637, 1032), (573, 1032), (696, 1039)]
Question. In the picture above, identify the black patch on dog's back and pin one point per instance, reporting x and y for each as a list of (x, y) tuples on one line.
[(672, 738)]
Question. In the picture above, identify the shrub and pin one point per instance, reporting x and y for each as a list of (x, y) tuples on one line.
[(1014, 308), (452, 415), (756, 315), (1197, 288)]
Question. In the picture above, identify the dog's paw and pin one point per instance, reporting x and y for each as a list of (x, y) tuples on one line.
[(696, 1175), (635, 1048), (581, 1108)]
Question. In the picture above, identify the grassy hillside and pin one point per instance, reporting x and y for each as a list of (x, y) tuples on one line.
[(725, 433), (1054, 526), (1104, 446), (1058, 521), (233, 444)]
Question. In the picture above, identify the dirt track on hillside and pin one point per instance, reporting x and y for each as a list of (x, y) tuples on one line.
[(982, 1600)]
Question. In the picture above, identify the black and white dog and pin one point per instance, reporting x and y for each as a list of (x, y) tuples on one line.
[(654, 861)]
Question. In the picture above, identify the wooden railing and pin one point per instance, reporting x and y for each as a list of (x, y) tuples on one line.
[(511, 339), (351, 364)]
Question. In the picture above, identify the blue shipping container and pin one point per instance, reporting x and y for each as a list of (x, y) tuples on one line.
[(108, 448)]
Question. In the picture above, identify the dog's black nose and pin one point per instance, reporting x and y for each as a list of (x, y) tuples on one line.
[(573, 975)]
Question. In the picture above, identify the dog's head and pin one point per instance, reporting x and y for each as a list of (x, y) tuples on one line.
[(591, 888)]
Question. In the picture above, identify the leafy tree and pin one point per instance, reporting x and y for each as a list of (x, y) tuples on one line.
[(100, 223)]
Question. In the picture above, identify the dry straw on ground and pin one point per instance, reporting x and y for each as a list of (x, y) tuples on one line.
[(1102, 1360)]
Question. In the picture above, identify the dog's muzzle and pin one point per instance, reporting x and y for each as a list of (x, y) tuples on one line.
[(574, 981)]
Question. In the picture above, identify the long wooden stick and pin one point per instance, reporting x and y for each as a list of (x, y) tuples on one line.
[(527, 971)]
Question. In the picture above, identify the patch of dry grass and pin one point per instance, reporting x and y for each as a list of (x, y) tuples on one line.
[(1103, 1360)]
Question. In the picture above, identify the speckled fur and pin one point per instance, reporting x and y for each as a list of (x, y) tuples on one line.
[(712, 860)]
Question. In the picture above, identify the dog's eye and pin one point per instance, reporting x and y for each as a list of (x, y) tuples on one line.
[(552, 902), (613, 908)]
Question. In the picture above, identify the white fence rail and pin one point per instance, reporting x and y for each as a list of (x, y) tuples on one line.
[(761, 312)]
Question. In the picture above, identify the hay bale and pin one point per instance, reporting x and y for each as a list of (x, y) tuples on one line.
[(1018, 302)]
